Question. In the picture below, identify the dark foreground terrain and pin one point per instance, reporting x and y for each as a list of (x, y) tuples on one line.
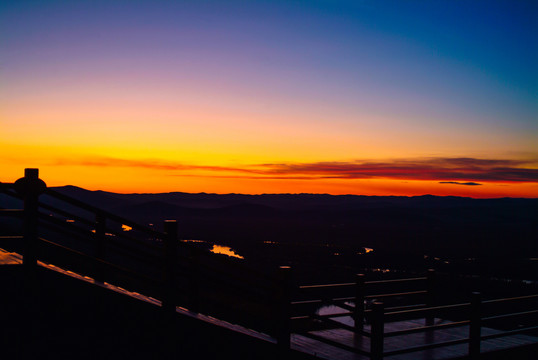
[(475, 245)]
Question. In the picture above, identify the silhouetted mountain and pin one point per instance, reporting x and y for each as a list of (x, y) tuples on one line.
[(327, 231)]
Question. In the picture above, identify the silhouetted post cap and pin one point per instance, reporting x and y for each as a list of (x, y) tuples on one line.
[(30, 183)]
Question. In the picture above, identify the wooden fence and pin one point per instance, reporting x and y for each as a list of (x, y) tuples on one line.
[(365, 306), (89, 241)]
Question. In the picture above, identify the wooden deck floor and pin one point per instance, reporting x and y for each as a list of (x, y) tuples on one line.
[(323, 349)]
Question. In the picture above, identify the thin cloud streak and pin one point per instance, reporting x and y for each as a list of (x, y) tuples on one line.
[(460, 183), (460, 171)]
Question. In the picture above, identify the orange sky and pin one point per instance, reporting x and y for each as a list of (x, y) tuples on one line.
[(337, 98)]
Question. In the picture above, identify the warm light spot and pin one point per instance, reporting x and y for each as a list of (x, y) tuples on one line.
[(365, 251), (126, 227), (219, 249), (384, 271), (70, 220)]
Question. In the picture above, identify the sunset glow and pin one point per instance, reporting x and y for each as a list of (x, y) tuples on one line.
[(339, 97)]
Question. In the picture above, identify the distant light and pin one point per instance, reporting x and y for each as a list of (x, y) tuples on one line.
[(219, 249), (126, 227)]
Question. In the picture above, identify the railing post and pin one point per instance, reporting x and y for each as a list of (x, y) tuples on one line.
[(430, 301), (378, 331), (30, 187), (358, 313), (170, 259), (475, 326), (100, 233), (283, 304)]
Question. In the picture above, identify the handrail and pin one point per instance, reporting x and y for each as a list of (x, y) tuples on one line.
[(322, 286), (426, 309), (395, 280), (101, 261), (510, 299), (396, 294), (503, 316), (342, 314), (84, 234), (91, 223), (11, 237), (11, 212), (404, 307), (67, 214), (107, 214)]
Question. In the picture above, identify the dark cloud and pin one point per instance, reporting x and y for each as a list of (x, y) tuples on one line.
[(460, 171), (459, 183), (445, 169)]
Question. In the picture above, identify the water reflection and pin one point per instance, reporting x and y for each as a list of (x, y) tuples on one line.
[(365, 250), (219, 249)]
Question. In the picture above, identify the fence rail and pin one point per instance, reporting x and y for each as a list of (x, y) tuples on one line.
[(379, 315), (86, 239)]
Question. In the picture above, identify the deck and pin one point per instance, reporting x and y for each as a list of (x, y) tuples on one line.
[(324, 350)]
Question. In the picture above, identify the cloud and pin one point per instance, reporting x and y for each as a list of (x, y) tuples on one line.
[(459, 183), (443, 169), (460, 171)]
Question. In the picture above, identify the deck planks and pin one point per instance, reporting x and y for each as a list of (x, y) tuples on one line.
[(324, 350)]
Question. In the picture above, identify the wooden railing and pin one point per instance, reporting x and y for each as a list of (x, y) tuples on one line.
[(376, 314), (87, 240)]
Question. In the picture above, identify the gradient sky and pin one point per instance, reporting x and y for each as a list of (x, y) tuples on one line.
[(341, 97)]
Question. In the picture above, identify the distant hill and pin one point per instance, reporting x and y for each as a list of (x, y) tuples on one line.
[(331, 231), (450, 222)]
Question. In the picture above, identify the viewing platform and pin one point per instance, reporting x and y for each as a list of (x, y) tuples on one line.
[(74, 287)]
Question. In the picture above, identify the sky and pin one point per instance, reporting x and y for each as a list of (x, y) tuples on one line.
[(340, 97)]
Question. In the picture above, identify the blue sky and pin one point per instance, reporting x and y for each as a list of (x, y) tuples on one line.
[(282, 81)]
